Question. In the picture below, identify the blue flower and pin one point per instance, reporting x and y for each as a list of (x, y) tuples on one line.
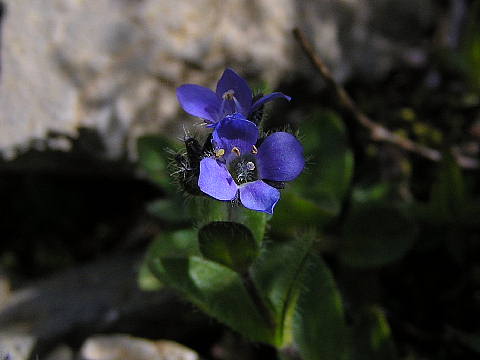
[(238, 169), (233, 95)]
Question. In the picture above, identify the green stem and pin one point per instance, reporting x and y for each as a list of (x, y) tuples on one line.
[(257, 299), (248, 282), (232, 211)]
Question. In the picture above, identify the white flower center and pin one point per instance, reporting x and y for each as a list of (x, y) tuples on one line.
[(243, 169), (228, 95)]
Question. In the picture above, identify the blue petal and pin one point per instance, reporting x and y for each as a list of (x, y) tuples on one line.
[(199, 101), (259, 196), (216, 181), (230, 80), (280, 157), (235, 131), (268, 98), (228, 107)]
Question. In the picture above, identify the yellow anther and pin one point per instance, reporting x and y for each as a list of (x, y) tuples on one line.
[(219, 153), (254, 149), (236, 151)]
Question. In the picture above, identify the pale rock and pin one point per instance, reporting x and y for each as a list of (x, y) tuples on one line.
[(84, 300), (16, 346), (61, 352), (4, 290), (124, 347), (113, 65)]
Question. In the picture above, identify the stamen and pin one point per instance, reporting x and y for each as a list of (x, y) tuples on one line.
[(219, 153), (243, 169), (228, 95), (238, 106), (236, 151), (254, 149)]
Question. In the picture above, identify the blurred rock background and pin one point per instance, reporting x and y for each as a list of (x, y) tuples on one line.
[(82, 80), (113, 65)]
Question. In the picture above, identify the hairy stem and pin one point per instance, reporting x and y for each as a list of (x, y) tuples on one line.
[(257, 298), (247, 279), (232, 212)]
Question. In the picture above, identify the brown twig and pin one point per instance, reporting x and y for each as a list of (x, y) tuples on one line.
[(377, 131)]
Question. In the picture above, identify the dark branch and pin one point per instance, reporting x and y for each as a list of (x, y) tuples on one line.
[(377, 131)]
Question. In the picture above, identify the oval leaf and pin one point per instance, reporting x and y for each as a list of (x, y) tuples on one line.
[(327, 144), (228, 243), (175, 260), (375, 235), (319, 327)]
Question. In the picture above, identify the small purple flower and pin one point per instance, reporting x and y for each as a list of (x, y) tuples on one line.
[(239, 168), (233, 95)]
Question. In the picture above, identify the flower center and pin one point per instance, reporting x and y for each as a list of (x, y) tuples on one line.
[(243, 169), (228, 95), (230, 104)]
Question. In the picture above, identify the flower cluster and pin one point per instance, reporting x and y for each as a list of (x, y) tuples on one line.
[(236, 162)]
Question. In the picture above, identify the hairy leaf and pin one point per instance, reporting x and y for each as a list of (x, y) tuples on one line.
[(376, 234), (214, 288), (319, 322), (228, 243)]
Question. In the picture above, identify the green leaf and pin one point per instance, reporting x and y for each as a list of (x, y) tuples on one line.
[(451, 205), (376, 234), (447, 197), (372, 338), (316, 197), (376, 193), (154, 159), (181, 243), (212, 287), (256, 221), (171, 210), (228, 243), (147, 281), (328, 178), (295, 212), (319, 322), (471, 45), (205, 210), (279, 272), (302, 294)]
